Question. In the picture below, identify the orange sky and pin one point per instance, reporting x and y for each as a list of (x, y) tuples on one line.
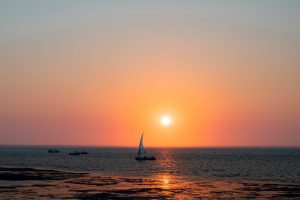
[(94, 73)]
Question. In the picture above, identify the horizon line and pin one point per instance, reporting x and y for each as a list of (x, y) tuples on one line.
[(125, 146)]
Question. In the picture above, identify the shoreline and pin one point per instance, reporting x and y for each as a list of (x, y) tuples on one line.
[(23, 183)]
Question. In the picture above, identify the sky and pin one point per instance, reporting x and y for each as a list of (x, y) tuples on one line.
[(226, 73)]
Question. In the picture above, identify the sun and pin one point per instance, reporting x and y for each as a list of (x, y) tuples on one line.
[(166, 121)]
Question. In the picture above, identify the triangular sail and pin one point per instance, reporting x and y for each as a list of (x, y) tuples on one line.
[(141, 146)]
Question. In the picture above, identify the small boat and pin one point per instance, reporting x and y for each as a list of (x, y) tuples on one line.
[(53, 151), (142, 155), (83, 152), (75, 153)]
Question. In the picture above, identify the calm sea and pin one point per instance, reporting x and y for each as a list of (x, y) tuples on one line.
[(262, 164)]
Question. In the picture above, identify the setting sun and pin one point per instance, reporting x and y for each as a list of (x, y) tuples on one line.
[(166, 121)]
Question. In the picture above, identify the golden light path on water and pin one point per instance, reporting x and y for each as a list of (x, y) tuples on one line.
[(165, 180), (168, 165)]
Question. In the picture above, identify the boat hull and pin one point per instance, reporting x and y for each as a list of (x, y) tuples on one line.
[(74, 154), (53, 151), (144, 158)]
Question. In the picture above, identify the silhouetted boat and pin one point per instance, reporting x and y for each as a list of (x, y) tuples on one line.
[(75, 153), (83, 152), (53, 151), (142, 155)]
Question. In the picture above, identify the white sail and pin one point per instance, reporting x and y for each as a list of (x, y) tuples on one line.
[(141, 146)]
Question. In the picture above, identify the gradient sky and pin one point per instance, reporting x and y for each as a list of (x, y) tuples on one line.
[(93, 72)]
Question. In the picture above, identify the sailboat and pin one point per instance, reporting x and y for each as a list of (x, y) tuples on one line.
[(141, 155)]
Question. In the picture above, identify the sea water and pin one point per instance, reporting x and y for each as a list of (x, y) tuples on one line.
[(255, 164)]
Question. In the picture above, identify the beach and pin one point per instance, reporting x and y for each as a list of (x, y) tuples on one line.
[(31, 183)]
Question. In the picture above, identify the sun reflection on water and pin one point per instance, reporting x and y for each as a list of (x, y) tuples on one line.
[(166, 162), (165, 181)]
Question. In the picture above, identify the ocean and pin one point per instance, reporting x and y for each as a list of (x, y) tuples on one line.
[(193, 164)]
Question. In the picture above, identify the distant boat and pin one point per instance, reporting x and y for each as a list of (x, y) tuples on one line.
[(53, 151), (142, 155), (83, 152), (75, 153)]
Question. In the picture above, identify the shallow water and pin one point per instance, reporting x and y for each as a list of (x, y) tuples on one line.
[(30, 183), (229, 164)]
